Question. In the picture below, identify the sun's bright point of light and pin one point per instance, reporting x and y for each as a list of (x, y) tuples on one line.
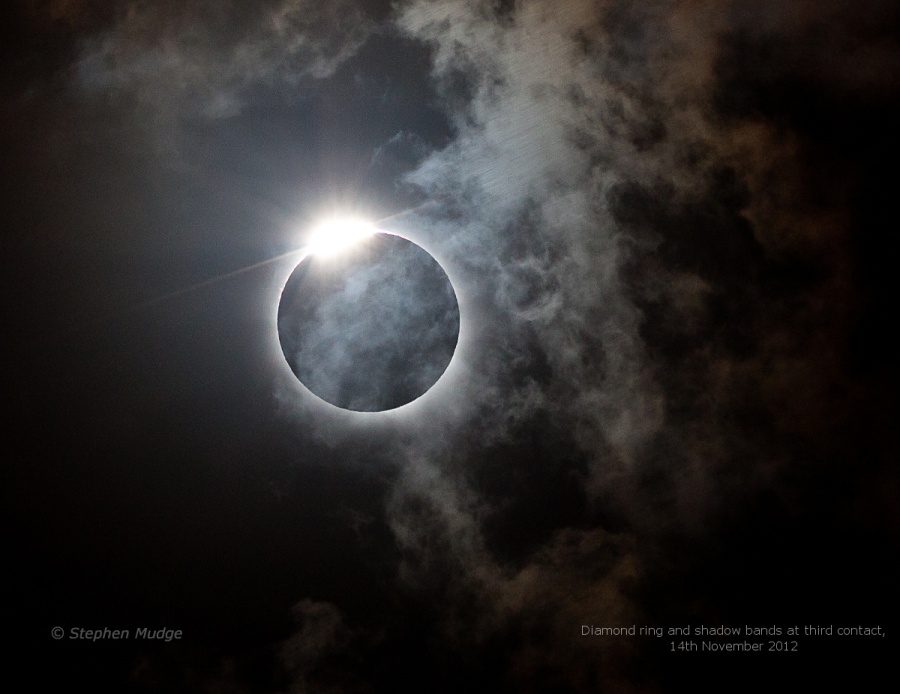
[(333, 235)]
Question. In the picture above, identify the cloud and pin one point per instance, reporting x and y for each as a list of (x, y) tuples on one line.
[(312, 656), (597, 198), (201, 58), (653, 294)]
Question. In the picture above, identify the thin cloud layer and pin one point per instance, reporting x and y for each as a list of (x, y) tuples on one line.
[(202, 57)]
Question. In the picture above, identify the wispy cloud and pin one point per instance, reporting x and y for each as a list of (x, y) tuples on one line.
[(201, 57)]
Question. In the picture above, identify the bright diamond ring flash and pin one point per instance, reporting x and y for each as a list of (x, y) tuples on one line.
[(334, 235)]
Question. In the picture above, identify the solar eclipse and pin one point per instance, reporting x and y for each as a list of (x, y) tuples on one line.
[(368, 321)]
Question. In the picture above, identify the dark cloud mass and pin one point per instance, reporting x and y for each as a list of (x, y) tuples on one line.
[(673, 401)]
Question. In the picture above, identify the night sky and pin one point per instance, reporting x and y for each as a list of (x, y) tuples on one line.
[(673, 401)]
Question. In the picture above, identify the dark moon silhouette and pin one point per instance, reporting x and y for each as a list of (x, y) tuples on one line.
[(370, 328)]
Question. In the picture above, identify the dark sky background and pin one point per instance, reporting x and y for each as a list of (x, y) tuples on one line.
[(674, 399)]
